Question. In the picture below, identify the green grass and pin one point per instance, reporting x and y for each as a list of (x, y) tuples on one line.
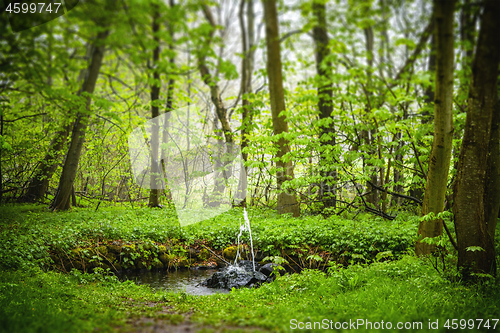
[(406, 289), (35, 301)]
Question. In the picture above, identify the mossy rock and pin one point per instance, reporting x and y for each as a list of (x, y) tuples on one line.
[(157, 264), (111, 257), (128, 249), (102, 250), (163, 258), (116, 249), (204, 255), (162, 249), (230, 252), (75, 253), (117, 266)]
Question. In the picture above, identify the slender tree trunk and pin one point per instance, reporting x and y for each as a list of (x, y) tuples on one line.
[(155, 181), (475, 204), (220, 109), (287, 202), (209, 80), (170, 103), (325, 94), (439, 162), (63, 195), (39, 183), (247, 40)]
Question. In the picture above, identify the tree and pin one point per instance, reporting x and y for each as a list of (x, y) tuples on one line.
[(287, 202), (154, 192), (65, 188), (325, 105), (439, 162), (476, 192), (248, 51)]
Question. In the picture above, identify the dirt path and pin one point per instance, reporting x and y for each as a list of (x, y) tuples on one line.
[(176, 323)]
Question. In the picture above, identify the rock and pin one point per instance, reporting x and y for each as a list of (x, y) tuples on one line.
[(235, 276), (163, 258), (102, 250), (268, 269), (111, 257), (114, 248), (157, 264), (230, 252)]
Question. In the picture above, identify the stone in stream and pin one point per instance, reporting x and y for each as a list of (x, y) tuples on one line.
[(268, 269), (236, 276)]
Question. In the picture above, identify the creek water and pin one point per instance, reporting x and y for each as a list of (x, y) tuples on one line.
[(188, 280)]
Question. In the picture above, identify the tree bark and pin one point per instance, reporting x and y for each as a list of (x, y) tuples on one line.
[(439, 161), (325, 106), (39, 183), (475, 203), (63, 195), (247, 40), (155, 181), (287, 202)]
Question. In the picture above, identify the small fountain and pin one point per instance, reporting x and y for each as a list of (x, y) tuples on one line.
[(242, 273)]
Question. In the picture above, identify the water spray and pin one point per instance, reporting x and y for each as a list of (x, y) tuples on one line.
[(245, 227)]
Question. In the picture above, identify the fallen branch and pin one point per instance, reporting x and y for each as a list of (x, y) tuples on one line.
[(215, 254)]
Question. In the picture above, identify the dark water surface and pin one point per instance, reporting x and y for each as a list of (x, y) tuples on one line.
[(188, 280)]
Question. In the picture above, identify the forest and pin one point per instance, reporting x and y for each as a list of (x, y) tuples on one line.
[(346, 151)]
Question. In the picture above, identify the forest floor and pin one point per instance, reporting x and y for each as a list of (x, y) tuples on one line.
[(387, 284)]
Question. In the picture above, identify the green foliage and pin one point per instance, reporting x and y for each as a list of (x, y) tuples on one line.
[(34, 301), (403, 290)]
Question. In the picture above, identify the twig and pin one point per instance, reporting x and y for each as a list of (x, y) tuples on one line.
[(449, 236), (215, 254)]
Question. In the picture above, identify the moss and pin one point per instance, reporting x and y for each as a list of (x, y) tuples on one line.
[(111, 257), (128, 249), (229, 252), (162, 249), (163, 258), (204, 255), (75, 253), (102, 250), (116, 249), (157, 264)]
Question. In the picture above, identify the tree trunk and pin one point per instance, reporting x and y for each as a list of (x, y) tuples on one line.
[(439, 162), (475, 203), (39, 183), (287, 202), (169, 104), (325, 106), (220, 109), (247, 41), (63, 195), (155, 181)]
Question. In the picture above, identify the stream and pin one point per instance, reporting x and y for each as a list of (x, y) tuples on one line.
[(188, 280)]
